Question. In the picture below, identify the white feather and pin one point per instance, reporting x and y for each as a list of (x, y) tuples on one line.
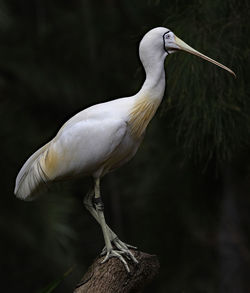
[(31, 176)]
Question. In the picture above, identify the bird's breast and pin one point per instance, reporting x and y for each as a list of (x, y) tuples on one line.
[(140, 115)]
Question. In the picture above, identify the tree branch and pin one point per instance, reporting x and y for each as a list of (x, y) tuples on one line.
[(111, 277)]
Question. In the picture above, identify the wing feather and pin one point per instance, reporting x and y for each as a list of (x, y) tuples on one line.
[(31, 176)]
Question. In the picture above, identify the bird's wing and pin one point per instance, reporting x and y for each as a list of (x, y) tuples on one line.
[(81, 148), (83, 143), (31, 175)]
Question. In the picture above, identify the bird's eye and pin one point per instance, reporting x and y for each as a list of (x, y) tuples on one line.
[(167, 36)]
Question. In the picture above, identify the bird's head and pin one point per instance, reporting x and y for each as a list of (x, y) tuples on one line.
[(160, 42)]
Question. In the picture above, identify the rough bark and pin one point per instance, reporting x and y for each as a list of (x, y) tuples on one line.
[(111, 277)]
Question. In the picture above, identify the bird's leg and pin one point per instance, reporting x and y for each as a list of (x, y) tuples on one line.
[(110, 252), (88, 203), (100, 214)]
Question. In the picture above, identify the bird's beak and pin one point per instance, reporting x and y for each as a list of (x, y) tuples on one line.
[(185, 47)]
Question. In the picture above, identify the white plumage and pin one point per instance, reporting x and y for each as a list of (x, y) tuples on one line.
[(93, 142), (103, 137)]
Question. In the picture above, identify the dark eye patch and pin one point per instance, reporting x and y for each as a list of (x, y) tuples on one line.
[(164, 47), (166, 34)]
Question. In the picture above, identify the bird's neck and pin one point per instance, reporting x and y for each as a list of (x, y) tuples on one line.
[(148, 99), (154, 85)]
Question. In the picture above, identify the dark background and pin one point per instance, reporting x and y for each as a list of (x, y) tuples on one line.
[(185, 196)]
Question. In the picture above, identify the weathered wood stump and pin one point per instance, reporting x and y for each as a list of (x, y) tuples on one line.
[(111, 277)]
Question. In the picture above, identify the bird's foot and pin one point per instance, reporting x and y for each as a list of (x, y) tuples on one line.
[(118, 244), (125, 249), (116, 253), (121, 251)]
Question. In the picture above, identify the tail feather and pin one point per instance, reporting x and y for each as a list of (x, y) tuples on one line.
[(31, 176)]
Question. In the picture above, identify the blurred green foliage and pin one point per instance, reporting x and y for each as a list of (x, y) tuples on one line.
[(185, 196), (53, 285)]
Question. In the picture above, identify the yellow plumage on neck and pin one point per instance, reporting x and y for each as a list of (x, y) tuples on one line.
[(141, 114)]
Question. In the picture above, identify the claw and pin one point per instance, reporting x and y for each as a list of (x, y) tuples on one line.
[(123, 248), (123, 244), (118, 254), (106, 257), (131, 246), (122, 251)]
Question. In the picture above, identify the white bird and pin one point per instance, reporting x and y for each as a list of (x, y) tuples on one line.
[(105, 136)]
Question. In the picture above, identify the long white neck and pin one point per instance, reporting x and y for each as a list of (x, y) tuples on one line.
[(148, 99), (145, 103), (154, 85)]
